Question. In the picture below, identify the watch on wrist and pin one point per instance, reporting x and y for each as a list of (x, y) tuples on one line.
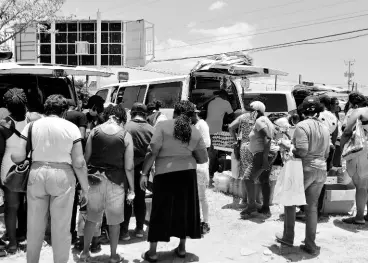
[(143, 174)]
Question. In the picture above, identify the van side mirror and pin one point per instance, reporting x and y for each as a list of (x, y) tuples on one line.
[(6, 55)]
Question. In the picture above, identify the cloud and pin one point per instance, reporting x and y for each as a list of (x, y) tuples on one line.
[(217, 5), (177, 48), (191, 24), (231, 31)]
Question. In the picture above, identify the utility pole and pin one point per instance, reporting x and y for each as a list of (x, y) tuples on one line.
[(275, 82), (349, 74)]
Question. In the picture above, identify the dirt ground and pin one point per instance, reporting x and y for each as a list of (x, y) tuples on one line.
[(234, 240)]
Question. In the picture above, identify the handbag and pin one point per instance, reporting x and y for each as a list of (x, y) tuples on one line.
[(356, 145), (16, 179)]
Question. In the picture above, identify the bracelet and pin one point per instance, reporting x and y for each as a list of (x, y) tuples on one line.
[(144, 174)]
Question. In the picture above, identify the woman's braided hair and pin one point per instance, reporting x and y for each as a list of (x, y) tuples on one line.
[(184, 110)]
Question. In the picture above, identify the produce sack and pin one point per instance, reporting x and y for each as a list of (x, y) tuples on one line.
[(289, 189), (356, 145)]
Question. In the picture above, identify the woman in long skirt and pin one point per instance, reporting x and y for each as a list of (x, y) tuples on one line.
[(176, 148)]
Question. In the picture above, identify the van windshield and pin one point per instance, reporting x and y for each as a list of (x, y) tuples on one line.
[(37, 88), (273, 102)]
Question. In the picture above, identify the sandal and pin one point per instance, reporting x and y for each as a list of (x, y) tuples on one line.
[(84, 257), (353, 221), (12, 249), (178, 254), (117, 259), (146, 257)]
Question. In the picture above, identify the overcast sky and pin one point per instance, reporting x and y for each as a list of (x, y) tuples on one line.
[(180, 27)]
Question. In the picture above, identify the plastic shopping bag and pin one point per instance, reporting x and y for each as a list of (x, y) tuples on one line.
[(222, 181), (235, 166), (289, 189), (357, 144)]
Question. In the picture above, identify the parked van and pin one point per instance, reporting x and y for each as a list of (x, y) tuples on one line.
[(42, 80), (198, 87)]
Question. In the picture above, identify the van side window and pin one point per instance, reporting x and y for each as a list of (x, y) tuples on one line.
[(167, 93), (114, 94), (102, 93), (273, 102), (131, 95)]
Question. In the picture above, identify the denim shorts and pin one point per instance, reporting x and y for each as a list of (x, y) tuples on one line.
[(108, 198)]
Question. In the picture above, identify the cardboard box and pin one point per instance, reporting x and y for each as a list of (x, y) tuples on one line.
[(338, 199)]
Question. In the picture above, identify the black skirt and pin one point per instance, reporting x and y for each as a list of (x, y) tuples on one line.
[(175, 207)]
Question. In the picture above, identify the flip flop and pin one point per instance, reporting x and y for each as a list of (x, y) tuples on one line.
[(178, 254), (352, 221), (148, 258), (116, 260), (84, 257)]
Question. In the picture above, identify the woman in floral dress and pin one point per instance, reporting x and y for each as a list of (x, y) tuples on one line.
[(242, 126)]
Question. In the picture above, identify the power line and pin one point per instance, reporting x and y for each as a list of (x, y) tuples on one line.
[(305, 21), (252, 11), (268, 47), (284, 14), (266, 32), (312, 43)]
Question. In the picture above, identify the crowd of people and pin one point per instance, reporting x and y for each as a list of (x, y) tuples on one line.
[(98, 162)]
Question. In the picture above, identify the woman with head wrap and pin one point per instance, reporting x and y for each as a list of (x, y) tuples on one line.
[(176, 148)]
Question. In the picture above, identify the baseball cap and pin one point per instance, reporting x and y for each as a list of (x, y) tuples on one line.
[(259, 106), (139, 107), (311, 104)]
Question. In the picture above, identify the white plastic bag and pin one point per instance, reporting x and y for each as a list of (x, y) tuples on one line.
[(222, 181), (289, 189), (235, 167)]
